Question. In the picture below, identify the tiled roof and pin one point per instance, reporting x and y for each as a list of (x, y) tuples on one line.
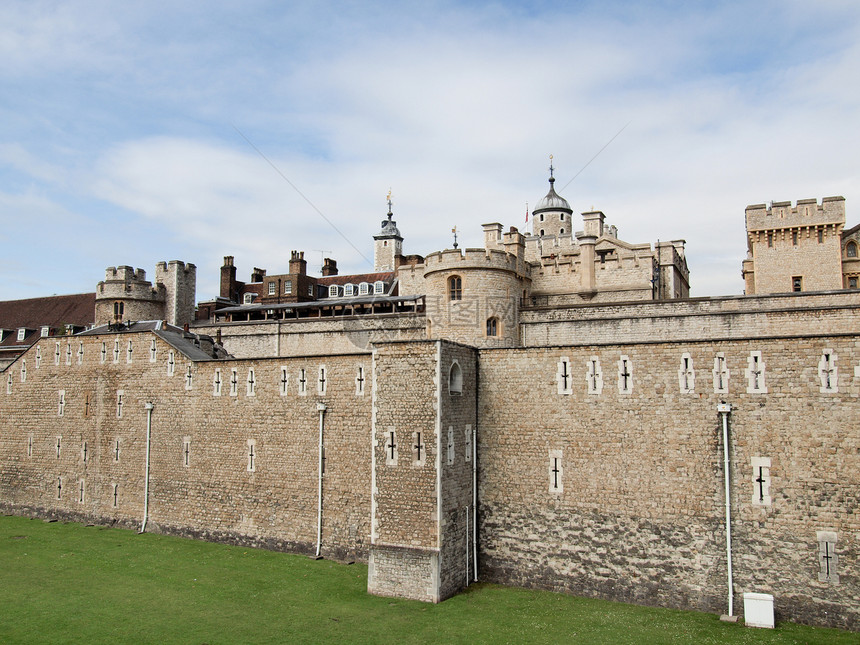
[(77, 309)]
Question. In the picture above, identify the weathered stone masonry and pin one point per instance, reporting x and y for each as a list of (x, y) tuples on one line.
[(640, 517), (609, 488)]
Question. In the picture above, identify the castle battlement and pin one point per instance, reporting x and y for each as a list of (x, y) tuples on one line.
[(458, 259), (125, 273), (806, 213)]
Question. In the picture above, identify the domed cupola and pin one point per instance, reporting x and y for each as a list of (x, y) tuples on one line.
[(551, 215)]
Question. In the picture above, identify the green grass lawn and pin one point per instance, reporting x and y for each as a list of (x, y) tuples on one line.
[(67, 583)]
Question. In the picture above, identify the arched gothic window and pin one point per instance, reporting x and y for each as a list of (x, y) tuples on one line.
[(455, 379), (851, 250), (492, 326), (455, 288)]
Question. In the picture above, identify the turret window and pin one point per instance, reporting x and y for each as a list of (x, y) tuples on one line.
[(492, 326), (455, 288)]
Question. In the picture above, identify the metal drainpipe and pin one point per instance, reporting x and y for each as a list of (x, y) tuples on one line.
[(321, 407), (475, 470), (724, 409), (148, 407)]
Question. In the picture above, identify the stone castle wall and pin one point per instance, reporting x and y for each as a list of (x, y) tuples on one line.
[(222, 491), (638, 513), (599, 463), (555, 321), (342, 334)]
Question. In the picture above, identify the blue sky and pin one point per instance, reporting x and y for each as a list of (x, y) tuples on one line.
[(125, 127)]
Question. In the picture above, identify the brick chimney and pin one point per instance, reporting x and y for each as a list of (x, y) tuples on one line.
[(298, 266), (258, 274), (329, 267)]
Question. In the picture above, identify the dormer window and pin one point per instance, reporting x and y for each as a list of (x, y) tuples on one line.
[(22, 333), (379, 287), (349, 289), (363, 289), (332, 291), (45, 331), (249, 298)]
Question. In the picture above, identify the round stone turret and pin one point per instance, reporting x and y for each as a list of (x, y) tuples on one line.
[(551, 215)]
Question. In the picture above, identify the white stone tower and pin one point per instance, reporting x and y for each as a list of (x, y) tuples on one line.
[(388, 243), (552, 214)]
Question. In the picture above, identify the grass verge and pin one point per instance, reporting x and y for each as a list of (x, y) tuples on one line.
[(68, 583)]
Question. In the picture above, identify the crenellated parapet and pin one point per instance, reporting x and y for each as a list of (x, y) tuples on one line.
[(807, 213), (475, 259)]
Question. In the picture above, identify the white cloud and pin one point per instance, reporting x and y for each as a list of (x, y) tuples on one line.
[(456, 107)]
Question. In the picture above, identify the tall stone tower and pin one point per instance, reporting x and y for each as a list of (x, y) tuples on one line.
[(552, 214), (126, 295), (424, 476), (794, 248), (388, 244), (180, 284)]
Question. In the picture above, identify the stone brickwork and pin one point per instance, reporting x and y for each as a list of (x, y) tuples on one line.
[(640, 516), (424, 400), (216, 489), (794, 248), (556, 321), (599, 465), (344, 334)]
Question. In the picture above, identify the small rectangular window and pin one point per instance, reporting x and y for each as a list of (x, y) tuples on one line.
[(22, 333), (311, 290), (794, 238), (797, 283), (821, 236), (770, 240), (273, 289), (288, 286)]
